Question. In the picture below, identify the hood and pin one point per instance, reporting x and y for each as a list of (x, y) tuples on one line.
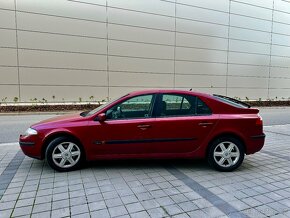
[(60, 119)]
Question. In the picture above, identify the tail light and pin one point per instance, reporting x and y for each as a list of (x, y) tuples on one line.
[(259, 121)]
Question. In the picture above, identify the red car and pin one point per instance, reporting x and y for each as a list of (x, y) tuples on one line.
[(151, 124)]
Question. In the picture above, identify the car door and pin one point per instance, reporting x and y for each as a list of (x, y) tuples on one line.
[(124, 130), (182, 123)]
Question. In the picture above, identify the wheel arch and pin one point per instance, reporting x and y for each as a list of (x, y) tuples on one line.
[(55, 135), (227, 134)]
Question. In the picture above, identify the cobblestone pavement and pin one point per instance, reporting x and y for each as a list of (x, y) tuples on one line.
[(179, 188)]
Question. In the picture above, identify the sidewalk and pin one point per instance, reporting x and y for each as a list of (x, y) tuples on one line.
[(183, 188)]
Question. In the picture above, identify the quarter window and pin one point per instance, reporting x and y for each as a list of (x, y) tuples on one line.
[(202, 108)]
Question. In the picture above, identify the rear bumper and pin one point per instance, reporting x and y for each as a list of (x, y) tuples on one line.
[(256, 143), (262, 136)]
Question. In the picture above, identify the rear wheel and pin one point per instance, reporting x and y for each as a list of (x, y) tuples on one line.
[(226, 154), (64, 154)]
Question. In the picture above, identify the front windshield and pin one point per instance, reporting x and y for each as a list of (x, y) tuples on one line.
[(102, 106)]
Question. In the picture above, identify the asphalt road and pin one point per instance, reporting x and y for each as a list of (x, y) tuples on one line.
[(11, 126), (275, 116)]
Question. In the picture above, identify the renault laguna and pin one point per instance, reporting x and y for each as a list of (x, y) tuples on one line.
[(150, 124)]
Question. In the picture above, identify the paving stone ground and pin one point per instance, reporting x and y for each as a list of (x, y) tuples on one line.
[(170, 188)]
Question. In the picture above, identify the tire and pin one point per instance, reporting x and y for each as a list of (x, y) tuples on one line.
[(226, 154), (64, 154)]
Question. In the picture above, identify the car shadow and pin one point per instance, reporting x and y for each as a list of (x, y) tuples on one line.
[(148, 164), (152, 165)]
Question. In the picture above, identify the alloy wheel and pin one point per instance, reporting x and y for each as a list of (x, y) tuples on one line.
[(226, 154), (66, 155)]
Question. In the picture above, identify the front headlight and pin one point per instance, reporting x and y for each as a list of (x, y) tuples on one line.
[(30, 131)]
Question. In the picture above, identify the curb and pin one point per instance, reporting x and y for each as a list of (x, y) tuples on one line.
[(38, 113)]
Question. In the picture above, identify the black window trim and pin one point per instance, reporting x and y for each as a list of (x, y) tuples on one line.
[(152, 106), (181, 104)]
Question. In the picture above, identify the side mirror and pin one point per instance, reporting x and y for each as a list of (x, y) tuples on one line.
[(102, 117)]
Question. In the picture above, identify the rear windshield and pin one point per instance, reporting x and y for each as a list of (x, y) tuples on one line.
[(232, 101)]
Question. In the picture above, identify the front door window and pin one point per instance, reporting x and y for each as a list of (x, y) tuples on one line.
[(133, 108)]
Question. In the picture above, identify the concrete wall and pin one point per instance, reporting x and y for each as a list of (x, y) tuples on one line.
[(63, 50)]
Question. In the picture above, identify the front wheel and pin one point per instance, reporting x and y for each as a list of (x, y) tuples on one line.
[(64, 154), (226, 154)]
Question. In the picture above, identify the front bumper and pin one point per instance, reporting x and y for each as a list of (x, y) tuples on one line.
[(31, 146)]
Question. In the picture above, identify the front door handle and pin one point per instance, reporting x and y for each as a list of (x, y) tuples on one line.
[(144, 126), (205, 124)]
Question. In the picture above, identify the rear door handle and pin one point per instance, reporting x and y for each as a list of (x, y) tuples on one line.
[(144, 126), (205, 124)]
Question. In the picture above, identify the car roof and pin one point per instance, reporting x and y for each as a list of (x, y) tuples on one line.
[(170, 91)]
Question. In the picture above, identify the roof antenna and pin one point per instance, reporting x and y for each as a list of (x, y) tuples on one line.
[(190, 89)]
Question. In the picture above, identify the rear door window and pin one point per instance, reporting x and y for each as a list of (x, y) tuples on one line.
[(181, 105)]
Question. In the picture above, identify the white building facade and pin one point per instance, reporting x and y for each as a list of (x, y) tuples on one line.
[(66, 50)]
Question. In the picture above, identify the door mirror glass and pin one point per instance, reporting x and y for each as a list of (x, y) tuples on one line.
[(102, 117)]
